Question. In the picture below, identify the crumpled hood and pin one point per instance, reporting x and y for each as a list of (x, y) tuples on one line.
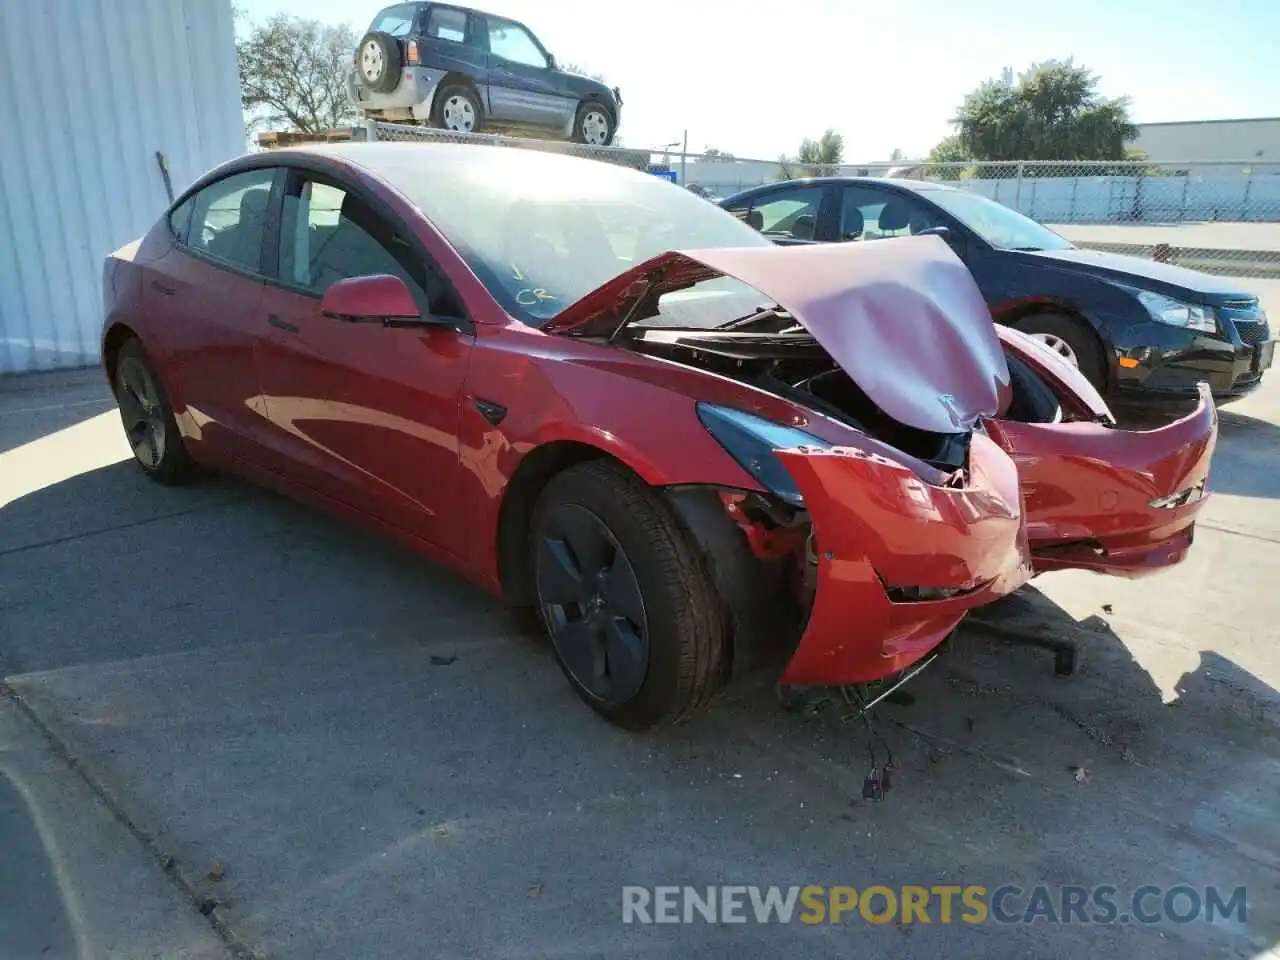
[(903, 317)]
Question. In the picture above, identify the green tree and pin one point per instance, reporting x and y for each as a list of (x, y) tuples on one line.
[(715, 153), (949, 150), (293, 74), (1052, 112), (816, 158)]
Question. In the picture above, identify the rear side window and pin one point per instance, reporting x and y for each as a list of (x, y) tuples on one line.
[(229, 218), (180, 219), (397, 20), (789, 213), (447, 23)]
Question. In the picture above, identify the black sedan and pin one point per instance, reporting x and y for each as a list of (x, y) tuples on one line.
[(1141, 331)]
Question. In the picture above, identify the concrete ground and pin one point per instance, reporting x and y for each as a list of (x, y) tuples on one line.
[(245, 719), (1213, 236)]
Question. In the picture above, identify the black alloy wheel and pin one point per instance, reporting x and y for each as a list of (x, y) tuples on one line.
[(591, 604)]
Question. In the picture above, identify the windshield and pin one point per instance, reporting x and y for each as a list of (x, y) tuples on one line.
[(1000, 226), (541, 231)]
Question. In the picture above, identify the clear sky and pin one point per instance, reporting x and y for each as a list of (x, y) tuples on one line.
[(755, 78)]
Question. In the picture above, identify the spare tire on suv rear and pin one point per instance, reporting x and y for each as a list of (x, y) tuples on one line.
[(378, 62)]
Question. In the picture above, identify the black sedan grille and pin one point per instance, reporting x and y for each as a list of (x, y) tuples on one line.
[(1248, 319), (1253, 332)]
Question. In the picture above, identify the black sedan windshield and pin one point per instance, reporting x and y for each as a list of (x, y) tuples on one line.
[(541, 231), (1000, 226)]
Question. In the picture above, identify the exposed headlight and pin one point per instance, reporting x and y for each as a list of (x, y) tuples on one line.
[(752, 440), (1178, 314)]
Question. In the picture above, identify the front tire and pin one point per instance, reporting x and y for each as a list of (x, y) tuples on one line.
[(457, 109), (634, 618), (593, 125), (149, 424)]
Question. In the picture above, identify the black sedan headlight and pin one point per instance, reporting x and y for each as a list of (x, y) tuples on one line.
[(752, 441), (1175, 313)]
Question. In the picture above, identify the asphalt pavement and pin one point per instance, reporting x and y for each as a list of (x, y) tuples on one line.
[(234, 724)]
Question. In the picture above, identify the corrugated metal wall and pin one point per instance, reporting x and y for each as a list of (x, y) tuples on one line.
[(89, 91)]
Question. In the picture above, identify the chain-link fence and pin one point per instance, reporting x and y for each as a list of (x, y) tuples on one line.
[(1221, 218)]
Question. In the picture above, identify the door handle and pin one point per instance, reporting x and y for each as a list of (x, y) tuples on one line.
[(279, 324), (164, 288)]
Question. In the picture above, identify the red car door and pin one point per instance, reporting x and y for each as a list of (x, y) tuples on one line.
[(363, 413), (204, 297)]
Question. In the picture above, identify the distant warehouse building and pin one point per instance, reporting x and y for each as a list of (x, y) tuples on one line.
[(1250, 141)]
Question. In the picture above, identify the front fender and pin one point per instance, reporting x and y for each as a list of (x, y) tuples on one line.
[(1073, 389)]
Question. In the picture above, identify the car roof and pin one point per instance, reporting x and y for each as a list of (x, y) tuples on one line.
[(900, 183), (386, 160)]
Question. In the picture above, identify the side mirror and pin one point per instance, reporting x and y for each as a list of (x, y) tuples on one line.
[(551, 62), (380, 298)]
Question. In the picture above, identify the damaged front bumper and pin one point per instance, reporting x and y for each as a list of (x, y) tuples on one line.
[(1122, 502), (900, 561)]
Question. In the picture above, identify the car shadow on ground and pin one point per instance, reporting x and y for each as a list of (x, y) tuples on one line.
[(362, 741)]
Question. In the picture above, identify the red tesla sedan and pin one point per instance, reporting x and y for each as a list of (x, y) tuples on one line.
[(597, 394)]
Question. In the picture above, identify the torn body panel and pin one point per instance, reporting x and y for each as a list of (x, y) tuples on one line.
[(904, 318), (1114, 501), (900, 561)]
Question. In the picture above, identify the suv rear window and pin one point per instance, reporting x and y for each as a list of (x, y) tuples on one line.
[(446, 23), (397, 20)]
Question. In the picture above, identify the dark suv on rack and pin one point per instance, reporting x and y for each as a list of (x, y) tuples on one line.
[(466, 70)]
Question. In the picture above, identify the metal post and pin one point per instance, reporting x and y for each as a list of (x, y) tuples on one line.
[(684, 153), (1017, 189), (371, 129)]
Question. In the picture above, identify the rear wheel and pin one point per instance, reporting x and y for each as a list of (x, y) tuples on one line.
[(634, 618), (148, 421), (593, 125), (458, 109), (1072, 340)]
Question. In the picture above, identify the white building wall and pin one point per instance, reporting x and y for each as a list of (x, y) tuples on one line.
[(85, 108), (1229, 140)]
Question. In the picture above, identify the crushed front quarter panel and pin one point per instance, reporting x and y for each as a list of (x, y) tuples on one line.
[(880, 530)]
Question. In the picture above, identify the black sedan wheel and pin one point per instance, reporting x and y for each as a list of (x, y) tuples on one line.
[(148, 422), (632, 613), (1071, 339)]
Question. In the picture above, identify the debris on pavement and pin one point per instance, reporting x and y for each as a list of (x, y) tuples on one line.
[(1079, 774), (439, 661)]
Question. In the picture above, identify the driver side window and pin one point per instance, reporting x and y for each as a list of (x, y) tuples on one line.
[(328, 234), (510, 41)]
